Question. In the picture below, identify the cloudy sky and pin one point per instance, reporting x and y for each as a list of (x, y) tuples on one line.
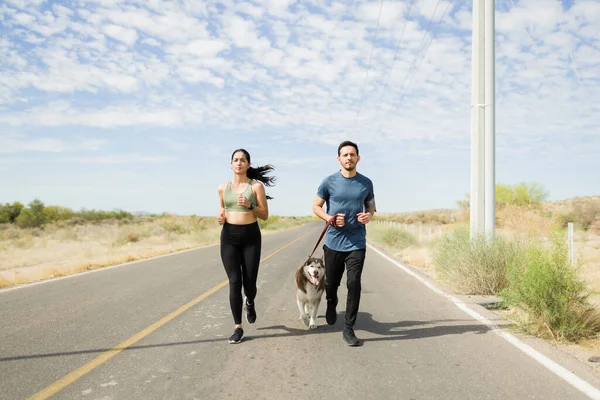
[(138, 104)]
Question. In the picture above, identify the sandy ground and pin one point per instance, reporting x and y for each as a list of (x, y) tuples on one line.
[(35, 254)]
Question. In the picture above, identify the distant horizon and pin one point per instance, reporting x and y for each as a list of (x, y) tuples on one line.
[(143, 212)]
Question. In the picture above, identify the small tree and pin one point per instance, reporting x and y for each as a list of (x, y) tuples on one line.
[(58, 213), (586, 213), (32, 216), (10, 212), (520, 194)]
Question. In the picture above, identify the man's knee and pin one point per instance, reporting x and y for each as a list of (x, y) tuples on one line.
[(353, 283)]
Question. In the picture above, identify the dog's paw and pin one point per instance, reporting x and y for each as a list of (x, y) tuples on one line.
[(313, 326), (304, 319)]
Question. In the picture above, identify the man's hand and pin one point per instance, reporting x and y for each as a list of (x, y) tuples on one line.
[(364, 218), (338, 222)]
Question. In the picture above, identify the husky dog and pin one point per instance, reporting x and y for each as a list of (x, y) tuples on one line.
[(310, 285)]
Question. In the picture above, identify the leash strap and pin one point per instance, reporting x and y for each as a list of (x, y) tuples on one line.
[(330, 222)]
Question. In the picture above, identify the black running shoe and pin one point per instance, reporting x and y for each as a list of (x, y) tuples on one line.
[(350, 338), (237, 336), (250, 311), (330, 314)]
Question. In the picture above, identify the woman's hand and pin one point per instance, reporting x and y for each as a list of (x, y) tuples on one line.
[(242, 201), (221, 218)]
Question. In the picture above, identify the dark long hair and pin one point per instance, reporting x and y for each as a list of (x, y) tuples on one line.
[(258, 173)]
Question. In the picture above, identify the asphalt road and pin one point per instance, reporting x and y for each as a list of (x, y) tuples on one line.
[(158, 329)]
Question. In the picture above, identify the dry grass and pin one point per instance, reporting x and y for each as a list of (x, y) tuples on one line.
[(540, 222), (536, 221), (28, 255)]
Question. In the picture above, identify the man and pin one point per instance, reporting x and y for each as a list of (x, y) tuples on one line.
[(349, 195)]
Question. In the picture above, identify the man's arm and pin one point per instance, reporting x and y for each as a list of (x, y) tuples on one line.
[(318, 209), (365, 218), (370, 206), (319, 212)]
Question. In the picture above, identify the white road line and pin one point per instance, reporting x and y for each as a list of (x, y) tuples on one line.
[(559, 370)]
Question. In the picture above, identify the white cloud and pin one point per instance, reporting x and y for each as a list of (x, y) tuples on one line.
[(199, 48), (249, 66), (127, 36), (21, 143), (119, 159)]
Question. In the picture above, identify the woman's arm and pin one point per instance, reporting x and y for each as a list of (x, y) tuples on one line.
[(261, 210), (221, 217)]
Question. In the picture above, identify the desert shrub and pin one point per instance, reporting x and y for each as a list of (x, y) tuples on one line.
[(586, 213), (398, 238), (475, 266), (544, 284), (10, 212), (130, 235), (58, 213), (270, 223), (563, 219), (173, 226), (32, 216), (524, 220), (11, 233), (98, 215), (519, 194)]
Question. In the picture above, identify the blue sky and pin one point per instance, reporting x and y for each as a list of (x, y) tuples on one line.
[(139, 104)]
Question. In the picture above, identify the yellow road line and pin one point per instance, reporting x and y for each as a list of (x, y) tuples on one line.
[(107, 355)]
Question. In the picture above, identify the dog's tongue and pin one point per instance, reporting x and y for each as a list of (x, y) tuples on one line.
[(314, 280)]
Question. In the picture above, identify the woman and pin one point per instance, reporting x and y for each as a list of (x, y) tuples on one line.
[(243, 200)]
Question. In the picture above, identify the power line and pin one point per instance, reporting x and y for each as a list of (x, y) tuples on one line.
[(370, 58), (395, 57), (427, 48), (533, 49), (411, 68)]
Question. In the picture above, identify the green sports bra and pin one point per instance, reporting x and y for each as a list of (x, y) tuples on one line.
[(230, 198)]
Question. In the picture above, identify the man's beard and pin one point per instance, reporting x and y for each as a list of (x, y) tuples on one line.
[(352, 168)]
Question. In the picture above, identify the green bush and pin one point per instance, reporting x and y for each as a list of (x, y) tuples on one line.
[(99, 215), (272, 222), (32, 216), (521, 194), (477, 266), (398, 238), (58, 213), (10, 212), (563, 219), (544, 284)]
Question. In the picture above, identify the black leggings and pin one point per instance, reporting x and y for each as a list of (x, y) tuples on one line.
[(240, 252)]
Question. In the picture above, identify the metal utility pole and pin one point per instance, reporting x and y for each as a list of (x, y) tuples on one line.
[(482, 200), (490, 118)]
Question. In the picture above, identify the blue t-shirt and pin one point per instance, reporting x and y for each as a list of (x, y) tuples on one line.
[(346, 196)]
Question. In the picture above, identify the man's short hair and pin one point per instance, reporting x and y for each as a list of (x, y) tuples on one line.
[(347, 143)]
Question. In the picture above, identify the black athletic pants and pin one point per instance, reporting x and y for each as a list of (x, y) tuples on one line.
[(335, 263), (240, 253)]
